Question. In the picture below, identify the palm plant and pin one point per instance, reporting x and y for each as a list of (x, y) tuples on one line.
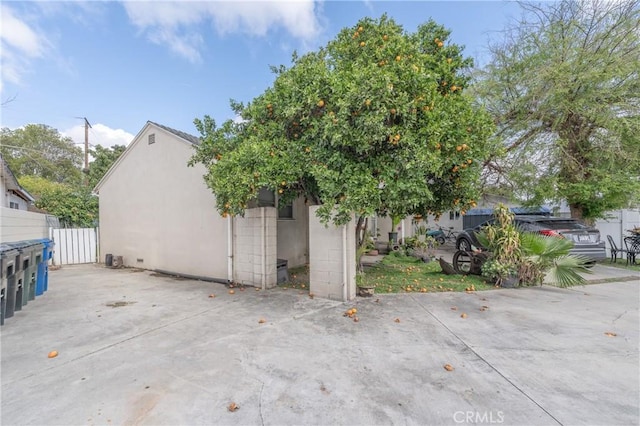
[(549, 256)]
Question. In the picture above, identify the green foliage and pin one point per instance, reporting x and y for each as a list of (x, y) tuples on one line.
[(502, 239), (563, 88), (528, 255), (74, 206), (103, 159), (550, 255), (376, 122), (39, 150)]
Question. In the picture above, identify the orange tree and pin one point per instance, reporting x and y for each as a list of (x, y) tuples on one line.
[(376, 122)]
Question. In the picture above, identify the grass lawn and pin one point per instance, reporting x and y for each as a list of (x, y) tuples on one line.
[(403, 274), (621, 263)]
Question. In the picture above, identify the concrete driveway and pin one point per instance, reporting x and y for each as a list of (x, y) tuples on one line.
[(135, 348)]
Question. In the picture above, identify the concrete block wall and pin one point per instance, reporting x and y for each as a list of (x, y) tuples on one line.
[(332, 259), (255, 248)]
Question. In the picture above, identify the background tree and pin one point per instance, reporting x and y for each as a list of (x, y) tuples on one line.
[(103, 159), (40, 150), (377, 121), (74, 205), (564, 89)]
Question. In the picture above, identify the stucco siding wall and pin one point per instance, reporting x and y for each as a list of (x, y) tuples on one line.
[(158, 214), (293, 236)]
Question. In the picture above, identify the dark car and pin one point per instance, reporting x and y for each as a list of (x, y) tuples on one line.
[(586, 240)]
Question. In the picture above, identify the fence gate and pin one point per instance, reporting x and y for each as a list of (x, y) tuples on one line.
[(73, 246)]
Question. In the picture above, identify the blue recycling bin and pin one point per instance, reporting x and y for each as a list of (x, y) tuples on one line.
[(8, 258), (48, 255), (42, 282)]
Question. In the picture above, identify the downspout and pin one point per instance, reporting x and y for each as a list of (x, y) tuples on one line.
[(402, 230), (229, 249), (345, 260)]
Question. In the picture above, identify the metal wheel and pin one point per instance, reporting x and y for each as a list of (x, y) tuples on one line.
[(462, 262), (440, 239), (464, 245)]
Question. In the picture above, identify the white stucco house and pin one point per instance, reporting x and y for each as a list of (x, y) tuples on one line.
[(13, 195), (158, 213), (17, 223)]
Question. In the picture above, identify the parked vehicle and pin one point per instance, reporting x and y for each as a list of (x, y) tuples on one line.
[(586, 240)]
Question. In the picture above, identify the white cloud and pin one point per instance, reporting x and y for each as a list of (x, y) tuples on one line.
[(20, 43), (175, 23), (99, 134)]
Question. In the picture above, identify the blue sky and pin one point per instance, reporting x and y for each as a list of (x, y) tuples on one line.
[(122, 63)]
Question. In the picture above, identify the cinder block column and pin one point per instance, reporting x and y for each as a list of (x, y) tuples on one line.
[(255, 248), (332, 259)]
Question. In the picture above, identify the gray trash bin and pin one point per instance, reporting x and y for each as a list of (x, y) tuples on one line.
[(34, 247), (9, 262)]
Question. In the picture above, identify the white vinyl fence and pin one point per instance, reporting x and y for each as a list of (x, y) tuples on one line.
[(617, 224), (73, 246)]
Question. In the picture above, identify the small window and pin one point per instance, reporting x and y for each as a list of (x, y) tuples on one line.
[(13, 205), (152, 138), (454, 215), (286, 212)]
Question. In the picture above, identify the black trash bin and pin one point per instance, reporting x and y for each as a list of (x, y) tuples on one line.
[(8, 261)]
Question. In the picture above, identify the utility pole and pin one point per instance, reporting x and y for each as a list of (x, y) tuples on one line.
[(86, 151)]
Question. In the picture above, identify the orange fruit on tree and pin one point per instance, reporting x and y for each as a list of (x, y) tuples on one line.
[(459, 148), (392, 111), (360, 29), (398, 58), (449, 60), (320, 103), (362, 44), (440, 44), (385, 37)]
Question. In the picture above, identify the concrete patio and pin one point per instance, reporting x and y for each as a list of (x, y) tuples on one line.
[(138, 348)]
